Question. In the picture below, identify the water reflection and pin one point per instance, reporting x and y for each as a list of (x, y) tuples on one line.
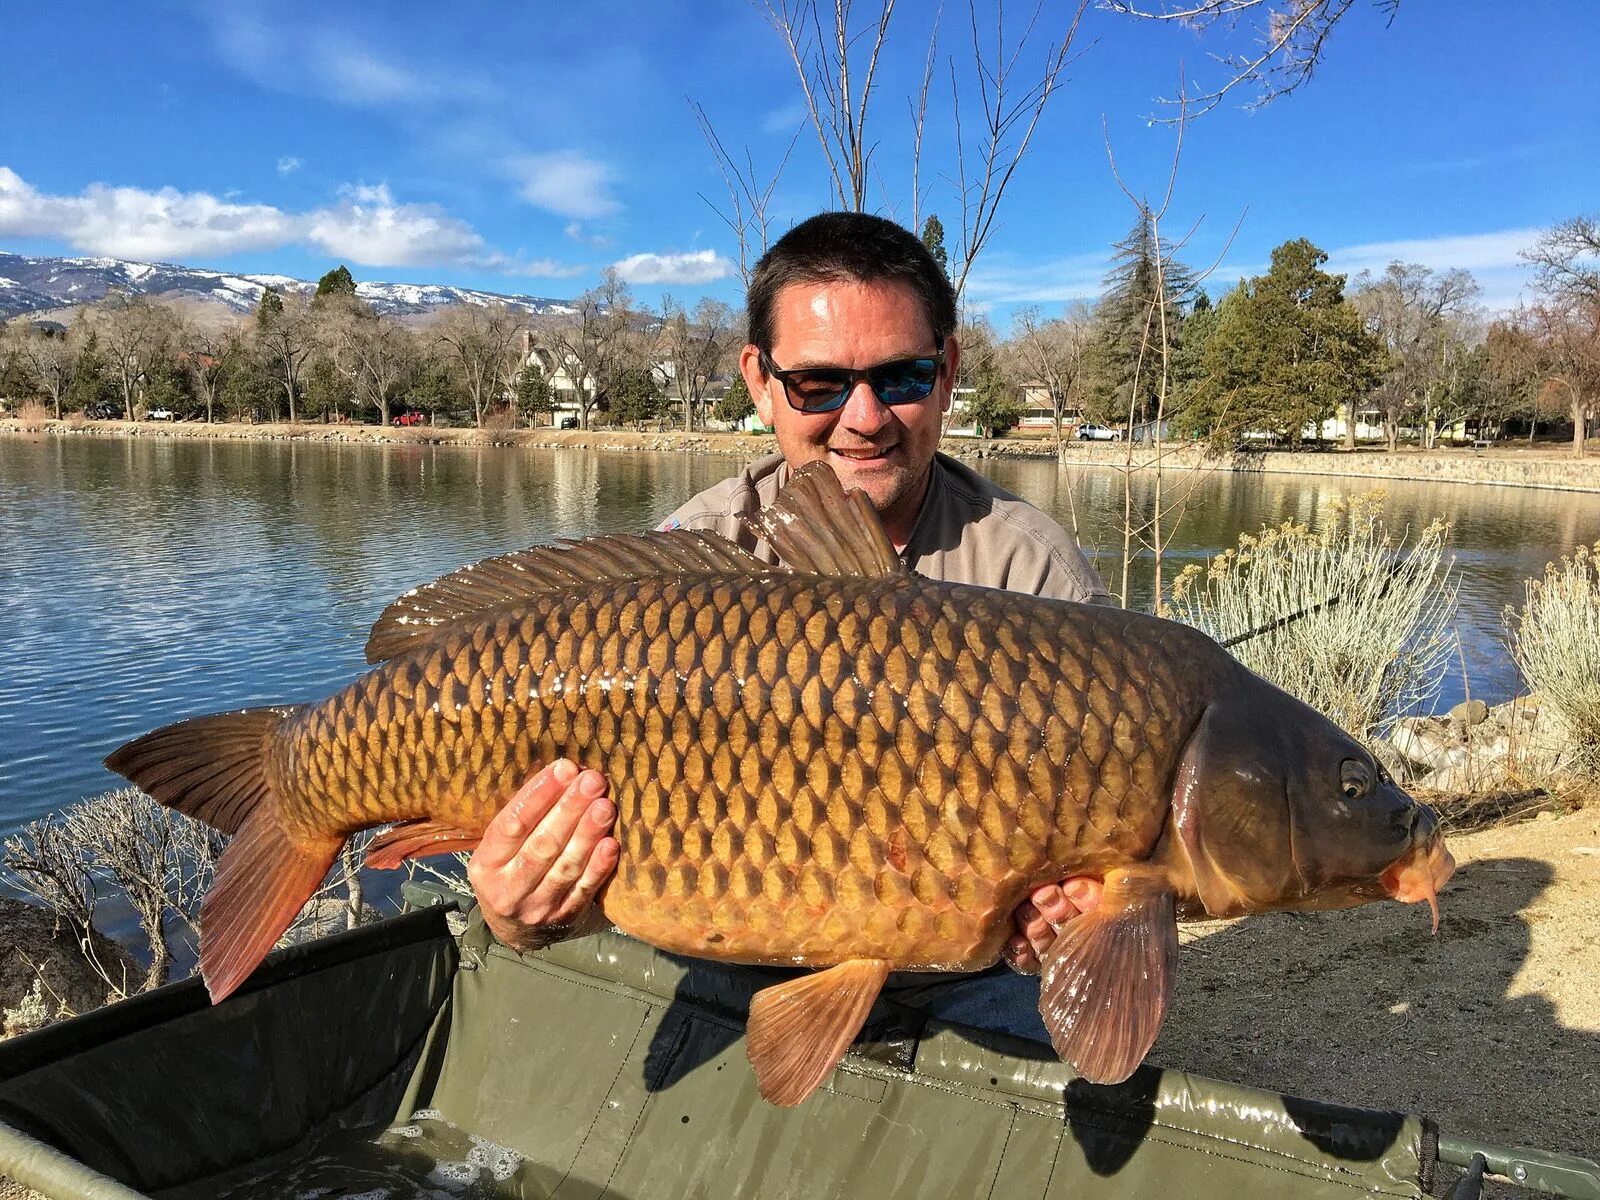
[(145, 580)]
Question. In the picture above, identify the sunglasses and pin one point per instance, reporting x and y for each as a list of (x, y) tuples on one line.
[(825, 389)]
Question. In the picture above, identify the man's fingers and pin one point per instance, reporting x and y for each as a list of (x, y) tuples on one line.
[(1082, 892), (511, 825), (601, 863), (544, 846), (564, 870)]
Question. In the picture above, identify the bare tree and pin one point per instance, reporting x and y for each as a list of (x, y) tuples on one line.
[(479, 340), (749, 200), (593, 344), (1050, 353), (374, 352), (836, 65), (1567, 259), (205, 354), (48, 358), (1288, 39), (1566, 334), (133, 331), (286, 339), (1417, 314), (696, 346)]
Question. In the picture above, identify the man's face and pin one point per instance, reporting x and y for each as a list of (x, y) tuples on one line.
[(884, 451)]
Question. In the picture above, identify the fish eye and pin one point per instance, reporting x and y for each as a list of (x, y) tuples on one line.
[(1355, 778)]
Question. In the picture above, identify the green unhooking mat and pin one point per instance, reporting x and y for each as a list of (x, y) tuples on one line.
[(398, 1061)]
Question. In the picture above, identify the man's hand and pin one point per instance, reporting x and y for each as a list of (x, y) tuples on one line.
[(544, 856), (1039, 916)]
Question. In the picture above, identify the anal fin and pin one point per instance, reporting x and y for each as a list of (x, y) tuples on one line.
[(418, 839), (1107, 979), (800, 1030), (263, 881)]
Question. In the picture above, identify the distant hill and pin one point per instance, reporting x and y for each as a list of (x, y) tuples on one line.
[(41, 284)]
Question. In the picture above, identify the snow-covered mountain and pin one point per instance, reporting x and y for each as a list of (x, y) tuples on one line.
[(37, 284)]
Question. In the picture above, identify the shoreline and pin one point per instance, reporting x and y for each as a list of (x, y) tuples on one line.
[(1546, 466)]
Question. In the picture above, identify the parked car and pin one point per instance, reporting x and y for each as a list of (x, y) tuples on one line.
[(102, 412), (409, 418), (162, 414), (569, 422), (1098, 433)]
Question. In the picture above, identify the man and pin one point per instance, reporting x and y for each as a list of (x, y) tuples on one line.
[(852, 360)]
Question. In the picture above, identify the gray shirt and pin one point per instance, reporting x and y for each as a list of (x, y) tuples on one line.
[(969, 531)]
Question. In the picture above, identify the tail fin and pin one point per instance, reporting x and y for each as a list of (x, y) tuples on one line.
[(214, 769)]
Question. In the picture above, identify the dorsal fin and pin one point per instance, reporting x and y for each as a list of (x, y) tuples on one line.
[(817, 529), (425, 612)]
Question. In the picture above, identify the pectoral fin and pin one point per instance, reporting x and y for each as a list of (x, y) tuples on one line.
[(1107, 979), (800, 1030)]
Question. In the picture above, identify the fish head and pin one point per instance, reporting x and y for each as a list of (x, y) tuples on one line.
[(1276, 807)]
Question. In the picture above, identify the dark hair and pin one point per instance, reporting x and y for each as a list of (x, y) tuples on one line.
[(844, 246)]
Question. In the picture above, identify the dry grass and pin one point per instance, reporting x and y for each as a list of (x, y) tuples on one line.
[(1377, 653), (1556, 642), (32, 416)]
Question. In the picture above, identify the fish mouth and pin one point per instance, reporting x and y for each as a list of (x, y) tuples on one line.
[(1420, 874)]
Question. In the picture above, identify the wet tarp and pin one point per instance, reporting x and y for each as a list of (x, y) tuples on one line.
[(394, 1061)]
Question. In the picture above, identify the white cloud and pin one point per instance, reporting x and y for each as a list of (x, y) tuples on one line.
[(137, 223), (309, 58), (578, 233), (566, 183), (365, 225), (784, 120), (1471, 252), (370, 227), (1004, 280), (289, 164), (698, 266)]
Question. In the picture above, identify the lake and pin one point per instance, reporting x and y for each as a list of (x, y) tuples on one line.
[(145, 580)]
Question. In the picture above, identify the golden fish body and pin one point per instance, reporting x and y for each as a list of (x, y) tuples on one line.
[(806, 769), (832, 763)]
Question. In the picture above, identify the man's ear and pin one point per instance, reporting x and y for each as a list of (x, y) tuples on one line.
[(952, 363), (755, 381)]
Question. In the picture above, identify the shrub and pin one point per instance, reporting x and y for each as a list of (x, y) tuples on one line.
[(33, 416), (1378, 651), (1556, 643)]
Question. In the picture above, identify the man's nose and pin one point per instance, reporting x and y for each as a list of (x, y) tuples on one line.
[(863, 411)]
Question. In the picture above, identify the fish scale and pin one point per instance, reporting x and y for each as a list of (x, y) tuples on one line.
[(805, 769)]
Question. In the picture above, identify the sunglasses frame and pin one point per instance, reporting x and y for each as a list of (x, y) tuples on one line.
[(855, 377)]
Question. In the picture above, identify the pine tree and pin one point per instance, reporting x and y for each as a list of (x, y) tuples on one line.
[(1287, 349), (533, 392), (734, 405), (270, 307), (933, 239), (337, 282), (1126, 359)]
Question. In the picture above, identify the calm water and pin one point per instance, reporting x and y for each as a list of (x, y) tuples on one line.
[(142, 581)]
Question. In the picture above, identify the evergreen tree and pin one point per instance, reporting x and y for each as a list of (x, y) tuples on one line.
[(533, 392), (636, 397), (991, 407), (91, 384), (1287, 349), (1140, 318), (933, 239), (337, 282), (270, 307), (433, 389), (734, 405), (166, 385)]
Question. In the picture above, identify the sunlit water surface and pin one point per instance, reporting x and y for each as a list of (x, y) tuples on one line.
[(142, 581)]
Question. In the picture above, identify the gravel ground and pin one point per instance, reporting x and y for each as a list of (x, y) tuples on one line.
[(1492, 1028)]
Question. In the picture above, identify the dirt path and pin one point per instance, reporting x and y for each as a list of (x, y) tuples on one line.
[(1492, 1029)]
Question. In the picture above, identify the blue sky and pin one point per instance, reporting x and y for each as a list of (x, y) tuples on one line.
[(524, 147)]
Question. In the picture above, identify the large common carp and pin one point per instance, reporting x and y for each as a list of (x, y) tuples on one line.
[(833, 763)]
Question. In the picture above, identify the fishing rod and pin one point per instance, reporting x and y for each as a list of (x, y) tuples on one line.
[(1390, 572)]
